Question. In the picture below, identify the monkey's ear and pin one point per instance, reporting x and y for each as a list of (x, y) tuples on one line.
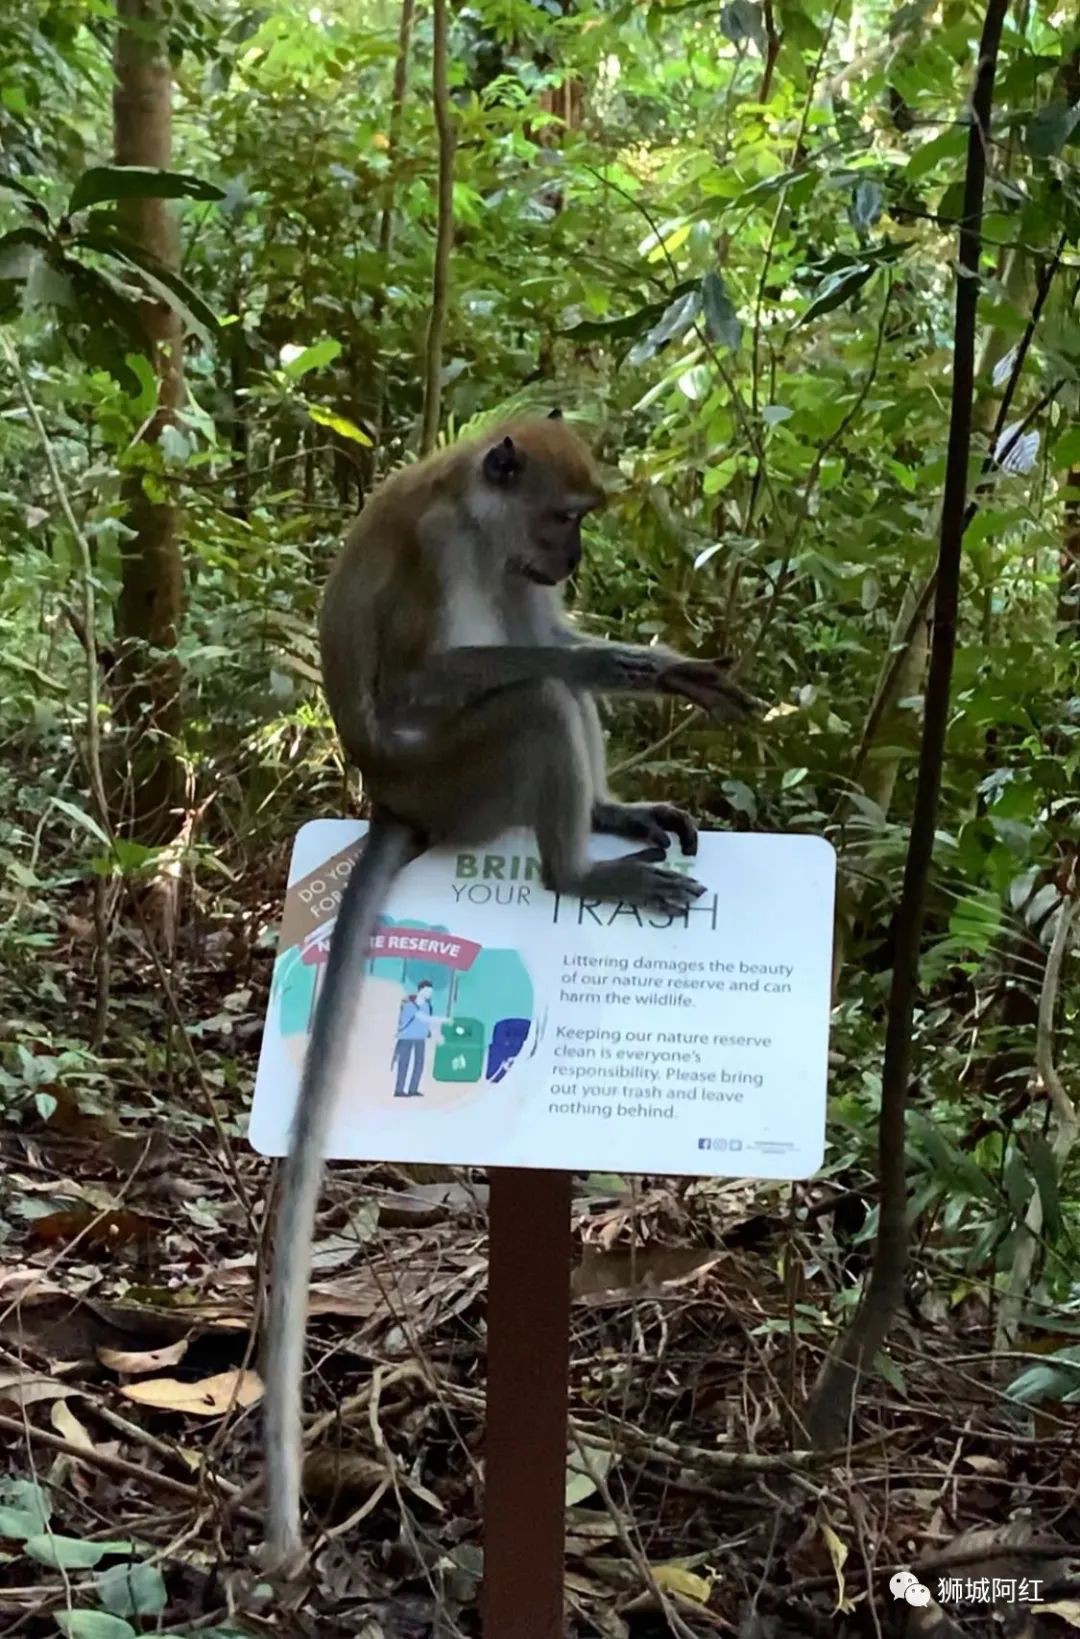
[(555, 414), (503, 462)]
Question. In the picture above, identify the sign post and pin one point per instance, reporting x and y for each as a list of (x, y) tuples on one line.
[(506, 1027), (528, 1357)]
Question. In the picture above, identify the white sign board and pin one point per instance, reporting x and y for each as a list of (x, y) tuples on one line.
[(502, 1025)]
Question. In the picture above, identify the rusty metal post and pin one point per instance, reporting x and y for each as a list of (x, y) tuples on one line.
[(528, 1359)]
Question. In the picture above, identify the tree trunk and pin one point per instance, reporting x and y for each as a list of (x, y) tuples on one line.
[(375, 457), (444, 234), (148, 612), (829, 1412)]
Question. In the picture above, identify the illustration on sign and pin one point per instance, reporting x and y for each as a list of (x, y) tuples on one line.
[(427, 988), (503, 1025)]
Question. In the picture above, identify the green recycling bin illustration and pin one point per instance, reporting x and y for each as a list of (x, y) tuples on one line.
[(461, 1053)]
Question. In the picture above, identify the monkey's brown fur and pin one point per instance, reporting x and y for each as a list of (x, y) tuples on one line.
[(467, 703)]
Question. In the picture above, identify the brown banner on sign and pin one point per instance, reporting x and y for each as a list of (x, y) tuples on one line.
[(314, 900)]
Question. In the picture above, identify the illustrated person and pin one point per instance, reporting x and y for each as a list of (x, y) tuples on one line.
[(413, 1030)]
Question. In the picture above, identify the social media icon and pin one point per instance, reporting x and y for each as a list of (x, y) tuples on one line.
[(906, 1585)]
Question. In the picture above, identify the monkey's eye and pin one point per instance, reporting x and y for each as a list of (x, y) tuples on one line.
[(567, 517)]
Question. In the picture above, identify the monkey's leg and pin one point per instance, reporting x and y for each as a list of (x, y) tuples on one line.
[(650, 822), (520, 757), (558, 753)]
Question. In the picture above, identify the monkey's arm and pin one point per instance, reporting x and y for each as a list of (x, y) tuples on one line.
[(457, 678)]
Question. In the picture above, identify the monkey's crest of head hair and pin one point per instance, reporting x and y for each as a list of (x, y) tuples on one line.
[(547, 443)]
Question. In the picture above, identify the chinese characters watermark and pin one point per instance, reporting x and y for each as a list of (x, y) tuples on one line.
[(967, 1590)]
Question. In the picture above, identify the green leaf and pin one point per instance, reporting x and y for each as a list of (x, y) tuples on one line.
[(15, 186), (674, 322), (1067, 449), (949, 145), (949, 1164), (110, 182), (631, 324), (975, 921), (741, 797), (793, 777), (582, 1469), (25, 1508), (339, 424), (128, 857), (886, 1367), (722, 323), (1044, 1170), (1017, 1185), (144, 400), (93, 1625), (168, 286), (49, 285), (71, 1553), (132, 1590), (19, 250), (866, 203), (1051, 1379), (742, 20), (79, 815), (311, 358), (1050, 127), (606, 1183), (768, 186), (836, 289)]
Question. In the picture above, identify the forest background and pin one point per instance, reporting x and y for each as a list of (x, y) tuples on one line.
[(808, 280)]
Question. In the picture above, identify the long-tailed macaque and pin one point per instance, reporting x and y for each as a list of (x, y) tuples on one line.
[(466, 701)]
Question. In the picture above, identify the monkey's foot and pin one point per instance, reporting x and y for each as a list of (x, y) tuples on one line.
[(653, 822), (640, 882)]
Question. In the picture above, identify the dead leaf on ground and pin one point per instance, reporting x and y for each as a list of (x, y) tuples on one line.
[(1067, 1609), (838, 1553), (980, 1464), (26, 1388), (424, 1204), (117, 1228), (334, 1475), (209, 1397), (606, 1275), (134, 1362), (70, 1119), (68, 1426), (678, 1580), (335, 1252)]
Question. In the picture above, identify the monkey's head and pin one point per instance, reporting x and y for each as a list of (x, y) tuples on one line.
[(535, 484)]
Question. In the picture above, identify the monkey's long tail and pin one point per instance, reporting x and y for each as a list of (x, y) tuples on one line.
[(390, 846)]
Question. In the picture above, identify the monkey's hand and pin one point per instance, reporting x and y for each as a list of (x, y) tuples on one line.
[(706, 684)]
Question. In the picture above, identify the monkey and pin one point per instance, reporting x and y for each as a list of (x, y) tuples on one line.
[(466, 700)]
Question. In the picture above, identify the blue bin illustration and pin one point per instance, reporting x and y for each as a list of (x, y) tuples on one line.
[(507, 1040)]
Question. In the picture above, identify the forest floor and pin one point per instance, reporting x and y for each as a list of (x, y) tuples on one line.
[(132, 1217)]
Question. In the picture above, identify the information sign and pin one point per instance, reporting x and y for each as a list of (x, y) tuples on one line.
[(505, 1026)]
